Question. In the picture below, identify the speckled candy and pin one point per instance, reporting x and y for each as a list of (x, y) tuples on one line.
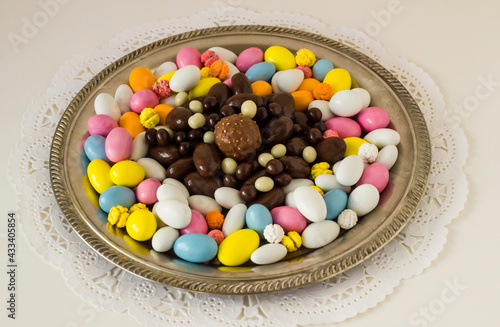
[(118, 144)]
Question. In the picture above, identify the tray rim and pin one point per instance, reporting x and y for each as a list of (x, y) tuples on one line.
[(231, 286)]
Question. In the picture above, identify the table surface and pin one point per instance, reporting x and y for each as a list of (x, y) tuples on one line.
[(455, 43)]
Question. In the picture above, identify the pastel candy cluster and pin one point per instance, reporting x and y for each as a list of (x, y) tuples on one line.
[(229, 158)]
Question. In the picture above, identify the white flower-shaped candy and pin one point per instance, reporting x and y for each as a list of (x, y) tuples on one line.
[(347, 219), (274, 233), (368, 152)]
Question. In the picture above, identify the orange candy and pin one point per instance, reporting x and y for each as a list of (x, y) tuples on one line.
[(261, 88), (219, 69), (141, 78), (162, 110), (302, 99), (132, 123), (215, 219), (323, 91), (308, 84)]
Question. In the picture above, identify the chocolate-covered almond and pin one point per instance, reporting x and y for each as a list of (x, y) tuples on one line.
[(151, 136), (243, 171), (210, 104), (274, 167), (283, 179), (295, 145), (230, 180), (178, 117), (314, 136), (164, 154), (276, 131), (221, 92), (331, 150), (240, 84), (162, 137), (271, 199), (181, 168), (237, 100), (296, 166), (207, 159), (197, 184), (287, 103), (248, 192)]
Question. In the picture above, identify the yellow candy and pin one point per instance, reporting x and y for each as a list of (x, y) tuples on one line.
[(127, 173), (205, 72), (167, 76), (149, 118), (280, 57), (118, 216), (352, 145), (201, 89), (305, 57), (319, 169), (141, 225), (339, 79), (237, 247), (292, 241), (89, 190), (137, 206), (318, 189), (98, 173)]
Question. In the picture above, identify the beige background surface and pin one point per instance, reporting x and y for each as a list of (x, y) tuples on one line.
[(456, 42)]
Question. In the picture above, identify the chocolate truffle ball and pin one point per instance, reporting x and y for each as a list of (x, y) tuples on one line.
[(237, 136)]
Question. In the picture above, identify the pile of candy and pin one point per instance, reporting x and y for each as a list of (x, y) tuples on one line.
[(229, 158)]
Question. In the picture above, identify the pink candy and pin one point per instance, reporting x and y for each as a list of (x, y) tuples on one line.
[(248, 58), (101, 125), (118, 145), (188, 56), (198, 224), (345, 127), (375, 174), (143, 99), (289, 218), (146, 191), (373, 118)]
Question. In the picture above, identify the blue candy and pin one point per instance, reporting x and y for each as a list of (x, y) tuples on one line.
[(257, 218), (336, 201), (94, 147), (116, 196), (194, 247), (262, 71), (321, 68)]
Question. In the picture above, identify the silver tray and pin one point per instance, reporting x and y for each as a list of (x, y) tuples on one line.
[(397, 205)]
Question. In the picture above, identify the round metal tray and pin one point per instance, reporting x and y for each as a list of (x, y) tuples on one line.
[(398, 201)]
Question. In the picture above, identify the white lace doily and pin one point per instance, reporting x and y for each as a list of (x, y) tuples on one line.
[(110, 288)]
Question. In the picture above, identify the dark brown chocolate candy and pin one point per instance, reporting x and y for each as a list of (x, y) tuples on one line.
[(237, 100), (255, 176), (287, 103), (283, 179), (314, 136), (301, 119), (295, 145), (243, 171), (210, 104), (207, 159), (248, 192), (221, 92), (185, 148), (162, 137), (274, 167), (314, 115), (197, 184), (271, 199), (297, 130), (276, 131), (179, 137), (237, 136), (240, 84), (164, 154), (177, 119), (320, 125), (196, 134), (151, 136), (331, 150), (296, 166), (181, 168), (261, 115), (227, 111), (212, 120), (230, 180), (275, 109)]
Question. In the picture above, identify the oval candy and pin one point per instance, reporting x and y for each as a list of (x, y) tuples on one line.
[(319, 234), (237, 247), (116, 196), (195, 247), (310, 203), (269, 253)]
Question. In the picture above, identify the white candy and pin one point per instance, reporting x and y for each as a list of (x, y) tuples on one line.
[(139, 147), (228, 197), (170, 192), (290, 200), (346, 103), (324, 107), (383, 137), (185, 78), (289, 80), (203, 204), (365, 97), (268, 253), (123, 95), (328, 182), (274, 82), (274, 233), (170, 100), (319, 234), (310, 203), (235, 219), (388, 156), (174, 213), (105, 104), (368, 152), (349, 170), (152, 168), (178, 184), (225, 54), (166, 67), (296, 182), (164, 239), (347, 219), (363, 199)]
